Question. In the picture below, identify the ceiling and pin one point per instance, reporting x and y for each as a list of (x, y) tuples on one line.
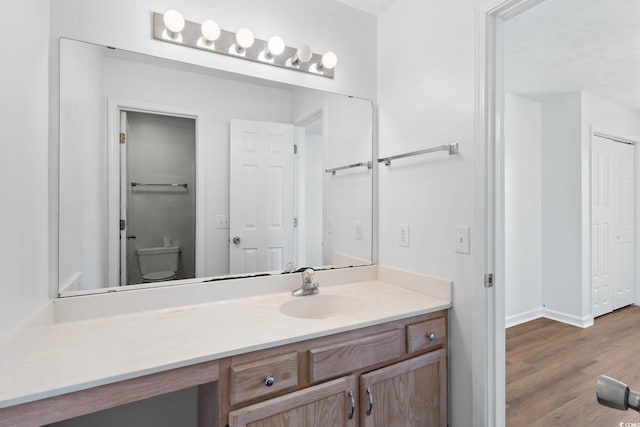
[(371, 6), (576, 45)]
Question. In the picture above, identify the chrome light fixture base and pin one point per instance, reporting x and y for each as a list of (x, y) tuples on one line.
[(191, 36)]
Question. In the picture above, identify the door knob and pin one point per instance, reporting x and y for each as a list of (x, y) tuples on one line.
[(236, 240), (131, 236)]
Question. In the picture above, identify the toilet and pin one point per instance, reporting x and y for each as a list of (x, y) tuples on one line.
[(158, 264)]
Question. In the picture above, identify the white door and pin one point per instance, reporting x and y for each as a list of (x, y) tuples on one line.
[(261, 196), (612, 234)]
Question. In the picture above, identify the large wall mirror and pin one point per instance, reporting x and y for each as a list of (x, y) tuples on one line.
[(173, 173)]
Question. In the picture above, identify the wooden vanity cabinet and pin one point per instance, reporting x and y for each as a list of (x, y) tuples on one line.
[(409, 393), (332, 403), (393, 374)]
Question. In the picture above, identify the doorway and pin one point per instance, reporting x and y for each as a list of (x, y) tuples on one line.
[(151, 119), (490, 180), (309, 181), (158, 201)]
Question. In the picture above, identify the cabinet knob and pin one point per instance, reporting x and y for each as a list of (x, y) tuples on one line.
[(269, 381), (431, 336)]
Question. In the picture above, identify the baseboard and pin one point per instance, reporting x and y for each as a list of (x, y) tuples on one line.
[(569, 319), (580, 322), (525, 316)]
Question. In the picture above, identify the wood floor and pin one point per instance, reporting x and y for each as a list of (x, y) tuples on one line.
[(552, 369)]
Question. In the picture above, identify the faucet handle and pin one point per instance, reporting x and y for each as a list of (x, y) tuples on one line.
[(307, 275)]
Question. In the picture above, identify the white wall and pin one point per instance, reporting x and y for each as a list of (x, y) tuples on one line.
[(561, 206), (522, 127), (567, 123), (24, 171), (426, 98)]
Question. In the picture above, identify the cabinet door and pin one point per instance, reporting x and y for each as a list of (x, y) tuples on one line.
[(409, 393), (331, 404)]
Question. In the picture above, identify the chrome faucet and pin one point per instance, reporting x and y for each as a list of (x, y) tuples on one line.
[(309, 287)]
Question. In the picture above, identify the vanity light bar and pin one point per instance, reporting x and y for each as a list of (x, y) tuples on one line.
[(170, 27)]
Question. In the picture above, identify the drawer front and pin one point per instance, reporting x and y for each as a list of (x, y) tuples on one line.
[(249, 381), (426, 335), (337, 359)]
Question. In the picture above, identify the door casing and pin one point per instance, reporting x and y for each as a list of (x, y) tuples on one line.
[(115, 106)]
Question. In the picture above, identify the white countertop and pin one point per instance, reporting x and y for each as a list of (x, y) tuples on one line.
[(76, 355)]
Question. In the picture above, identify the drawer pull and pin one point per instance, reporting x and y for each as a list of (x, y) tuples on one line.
[(352, 404), (370, 396), (431, 336), (269, 381)]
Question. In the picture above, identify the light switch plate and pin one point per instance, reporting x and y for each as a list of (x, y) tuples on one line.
[(403, 235), (222, 221), (461, 239)]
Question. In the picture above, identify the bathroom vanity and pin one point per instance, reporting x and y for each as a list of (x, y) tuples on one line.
[(370, 347)]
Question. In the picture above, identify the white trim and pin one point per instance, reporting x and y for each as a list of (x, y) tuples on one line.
[(488, 312), (113, 161), (525, 316), (570, 319)]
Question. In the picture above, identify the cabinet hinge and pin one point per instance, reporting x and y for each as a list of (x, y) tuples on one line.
[(488, 280), (295, 148), (295, 222), (123, 137), (123, 224)]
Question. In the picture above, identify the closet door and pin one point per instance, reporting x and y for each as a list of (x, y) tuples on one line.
[(612, 232)]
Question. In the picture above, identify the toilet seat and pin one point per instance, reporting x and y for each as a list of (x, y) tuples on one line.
[(158, 276)]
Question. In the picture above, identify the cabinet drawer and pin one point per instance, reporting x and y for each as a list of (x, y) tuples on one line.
[(249, 380), (333, 360), (428, 334)]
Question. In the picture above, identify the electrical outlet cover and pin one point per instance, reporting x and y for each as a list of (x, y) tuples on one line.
[(403, 235)]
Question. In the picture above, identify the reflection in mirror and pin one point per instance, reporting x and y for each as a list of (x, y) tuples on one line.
[(174, 172)]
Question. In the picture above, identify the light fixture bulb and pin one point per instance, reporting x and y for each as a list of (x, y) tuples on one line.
[(303, 54), (244, 38), (275, 46), (210, 30), (329, 60), (174, 21)]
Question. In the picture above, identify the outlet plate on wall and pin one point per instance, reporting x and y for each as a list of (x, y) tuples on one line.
[(403, 235)]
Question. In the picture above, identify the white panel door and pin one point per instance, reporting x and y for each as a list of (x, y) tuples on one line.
[(261, 196), (624, 229), (612, 217)]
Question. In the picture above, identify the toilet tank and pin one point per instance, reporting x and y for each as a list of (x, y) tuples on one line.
[(163, 258)]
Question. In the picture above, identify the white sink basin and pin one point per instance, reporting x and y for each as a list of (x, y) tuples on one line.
[(322, 306)]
